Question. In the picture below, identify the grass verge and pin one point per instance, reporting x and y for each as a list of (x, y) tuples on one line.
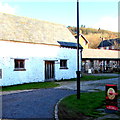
[(30, 86), (84, 108), (90, 77)]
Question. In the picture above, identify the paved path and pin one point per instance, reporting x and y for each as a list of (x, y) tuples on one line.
[(32, 104), (88, 85), (106, 74)]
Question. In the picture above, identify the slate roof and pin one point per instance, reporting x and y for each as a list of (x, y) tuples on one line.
[(109, 42), (115, 40), (105, 43), (69, 44), (23, 29)]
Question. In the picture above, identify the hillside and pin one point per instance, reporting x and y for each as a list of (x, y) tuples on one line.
[(94, 36)]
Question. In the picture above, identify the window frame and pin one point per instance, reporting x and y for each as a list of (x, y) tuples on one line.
[(63, 64), (18, 63)]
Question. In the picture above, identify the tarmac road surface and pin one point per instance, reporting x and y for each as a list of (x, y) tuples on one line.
[(32, 104)]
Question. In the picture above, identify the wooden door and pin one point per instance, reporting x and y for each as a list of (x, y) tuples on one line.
[(49, 70)]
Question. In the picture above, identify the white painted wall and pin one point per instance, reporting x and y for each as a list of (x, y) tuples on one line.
[(35, 56)]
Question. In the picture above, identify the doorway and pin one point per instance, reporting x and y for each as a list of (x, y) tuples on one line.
[(49, 70)]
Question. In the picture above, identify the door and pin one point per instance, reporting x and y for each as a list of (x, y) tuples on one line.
[(49, 70)]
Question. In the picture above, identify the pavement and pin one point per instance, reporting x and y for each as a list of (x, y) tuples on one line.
[(106, 74), (88, 86)]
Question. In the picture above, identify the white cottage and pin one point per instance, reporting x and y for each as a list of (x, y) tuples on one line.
[(35, 51)]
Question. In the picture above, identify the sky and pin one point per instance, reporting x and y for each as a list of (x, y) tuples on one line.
[(94, 14)]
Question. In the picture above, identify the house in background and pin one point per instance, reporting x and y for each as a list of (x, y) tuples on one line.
[(35, 51), (111, 44), (83, 41), (100, 60)]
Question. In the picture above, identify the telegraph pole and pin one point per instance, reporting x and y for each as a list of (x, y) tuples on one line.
[(78, 54)]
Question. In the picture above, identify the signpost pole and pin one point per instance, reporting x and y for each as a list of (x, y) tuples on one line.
[(78, 71)]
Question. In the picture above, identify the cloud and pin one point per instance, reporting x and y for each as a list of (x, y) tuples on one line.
[(6, 8), (108, 23)]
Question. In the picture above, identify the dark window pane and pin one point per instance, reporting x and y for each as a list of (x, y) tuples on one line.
[(16, 64), (60, 63), (21, 64), (63, 63)]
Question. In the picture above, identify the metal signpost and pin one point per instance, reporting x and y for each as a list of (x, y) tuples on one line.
[(78, 71)]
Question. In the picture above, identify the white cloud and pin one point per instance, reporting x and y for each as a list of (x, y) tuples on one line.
[(108, 23), (6, 8)]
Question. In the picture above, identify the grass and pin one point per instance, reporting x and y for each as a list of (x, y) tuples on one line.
[(70, 107), (73, 108), (90, 77), (30, 86)]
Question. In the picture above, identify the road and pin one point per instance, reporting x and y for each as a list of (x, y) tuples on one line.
[(32, 104)]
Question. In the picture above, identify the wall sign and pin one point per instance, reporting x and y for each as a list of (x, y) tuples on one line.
[(111, 97)]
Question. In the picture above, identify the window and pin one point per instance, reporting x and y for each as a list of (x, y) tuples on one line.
[(63, 64), (19, 65)]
